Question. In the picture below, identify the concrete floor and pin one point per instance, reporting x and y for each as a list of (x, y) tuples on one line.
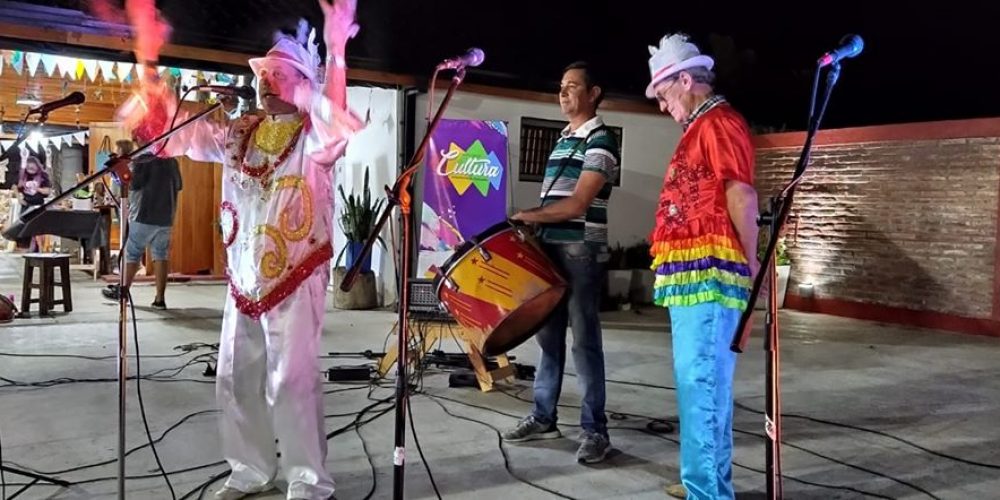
[(925, 404)]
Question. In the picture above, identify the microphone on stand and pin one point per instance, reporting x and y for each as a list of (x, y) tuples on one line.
[(851, 46), (241, 91), (44, 109), (472, 58)]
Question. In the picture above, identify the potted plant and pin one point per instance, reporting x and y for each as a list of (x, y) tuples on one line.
[(639, 260), (619, 278), (783, 266), (357, 219)]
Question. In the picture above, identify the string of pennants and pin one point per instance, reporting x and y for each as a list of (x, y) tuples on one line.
[(75, 68), (36, 144)]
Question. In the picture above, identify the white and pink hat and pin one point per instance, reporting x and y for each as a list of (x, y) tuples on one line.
[(300, 51), (674, 54)]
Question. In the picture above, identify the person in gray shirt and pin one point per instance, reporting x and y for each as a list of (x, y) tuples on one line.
[(152, 205)]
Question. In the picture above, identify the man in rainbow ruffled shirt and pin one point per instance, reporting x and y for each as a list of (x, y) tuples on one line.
[(703, 254)]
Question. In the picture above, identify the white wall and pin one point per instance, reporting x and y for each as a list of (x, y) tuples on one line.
[(377, 146), (648, 140)]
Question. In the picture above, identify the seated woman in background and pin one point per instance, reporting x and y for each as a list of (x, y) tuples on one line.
[(33, 186)]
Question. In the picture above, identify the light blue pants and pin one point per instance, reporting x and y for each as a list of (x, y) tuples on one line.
[(703, 371)]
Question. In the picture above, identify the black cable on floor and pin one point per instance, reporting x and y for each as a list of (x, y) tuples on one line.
[(157, 376), (783, 476), (127, 453), (845, 464), (503, 451), (877, 433), (138, 390), (3, 479), (368, 455), (790, 445), (661, 436), (831, 423), (416, 440), (79, 356)]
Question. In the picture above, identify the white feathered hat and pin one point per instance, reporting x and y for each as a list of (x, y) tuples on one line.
[(674, 54), (300, 51)]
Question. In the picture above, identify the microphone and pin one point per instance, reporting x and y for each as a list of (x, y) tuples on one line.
[(472, 58), (851, 46), (44, 109), (242, 91)]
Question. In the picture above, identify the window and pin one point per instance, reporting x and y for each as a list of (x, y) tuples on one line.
[(538, 138)]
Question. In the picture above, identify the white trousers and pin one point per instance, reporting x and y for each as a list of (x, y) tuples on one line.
[(269, 389)]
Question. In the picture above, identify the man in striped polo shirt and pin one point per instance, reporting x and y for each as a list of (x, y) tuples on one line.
[(573, 223)]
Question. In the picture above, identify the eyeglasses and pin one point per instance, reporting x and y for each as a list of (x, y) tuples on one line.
[(666, 85)]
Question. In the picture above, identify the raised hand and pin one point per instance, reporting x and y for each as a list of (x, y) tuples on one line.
[(339, 24)]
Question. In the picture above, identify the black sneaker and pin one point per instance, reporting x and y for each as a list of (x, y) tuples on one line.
[(111, 292), (159, 304), (593, 448)]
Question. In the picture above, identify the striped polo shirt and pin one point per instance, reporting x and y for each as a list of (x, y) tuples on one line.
[(600, 154)]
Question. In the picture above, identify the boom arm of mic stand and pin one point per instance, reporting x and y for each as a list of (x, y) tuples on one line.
[(20, 138), (781, 206), (116, 164), (399, 195)]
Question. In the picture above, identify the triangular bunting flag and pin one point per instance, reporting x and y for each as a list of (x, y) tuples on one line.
[(66, 66), (124, 70), (17, 61), (90, 67), (49, 63), (32, 144), (80, 137), (107, 69), (32, 59), (80, 70)]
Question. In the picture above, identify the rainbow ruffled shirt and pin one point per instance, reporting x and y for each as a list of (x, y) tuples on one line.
[(697, 255)]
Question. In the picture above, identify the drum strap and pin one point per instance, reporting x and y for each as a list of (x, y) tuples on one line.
[(562, 164)]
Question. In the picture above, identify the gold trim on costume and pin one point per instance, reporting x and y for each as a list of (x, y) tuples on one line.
[(272, 263), (298, 184)]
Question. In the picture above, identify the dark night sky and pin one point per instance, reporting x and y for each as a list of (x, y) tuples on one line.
[(939, 61)]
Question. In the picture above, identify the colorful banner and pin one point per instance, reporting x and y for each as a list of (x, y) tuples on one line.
[(465, 187), (75, 68)]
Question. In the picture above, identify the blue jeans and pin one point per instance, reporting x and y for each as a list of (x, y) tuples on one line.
[(703, 370), (141, 235), (583, 266)]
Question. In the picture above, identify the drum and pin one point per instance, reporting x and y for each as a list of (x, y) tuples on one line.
[(500, 286), (8, 311)]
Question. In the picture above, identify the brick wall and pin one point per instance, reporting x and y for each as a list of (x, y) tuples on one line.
[(902, 218)]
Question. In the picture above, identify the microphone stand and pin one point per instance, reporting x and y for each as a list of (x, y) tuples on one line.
[(400, 196), (774, 219), (117, 166)]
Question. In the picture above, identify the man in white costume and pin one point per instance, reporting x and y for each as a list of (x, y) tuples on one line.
[(277, 226)]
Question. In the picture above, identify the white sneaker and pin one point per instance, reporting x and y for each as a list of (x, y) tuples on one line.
[(230, 493)]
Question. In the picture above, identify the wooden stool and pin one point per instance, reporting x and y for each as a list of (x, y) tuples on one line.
[(46, 263)]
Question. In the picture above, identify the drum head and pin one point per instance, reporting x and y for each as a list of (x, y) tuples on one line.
[(464, 248), (523, 323)]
